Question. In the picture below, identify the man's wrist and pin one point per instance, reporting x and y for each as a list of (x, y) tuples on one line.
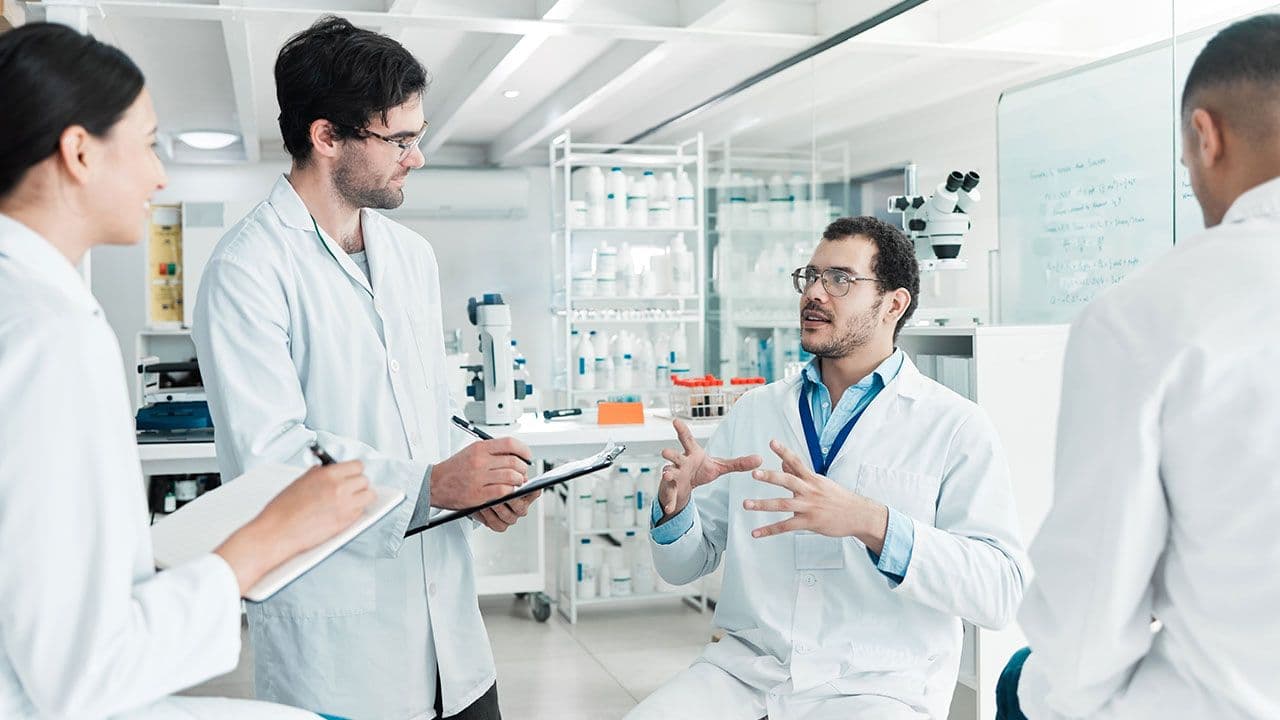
[(870, 522)]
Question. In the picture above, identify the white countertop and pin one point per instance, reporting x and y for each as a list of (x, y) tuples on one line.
[(561, 435), (583, 430)]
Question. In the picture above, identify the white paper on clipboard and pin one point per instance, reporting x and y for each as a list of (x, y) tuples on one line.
[(558, 474)]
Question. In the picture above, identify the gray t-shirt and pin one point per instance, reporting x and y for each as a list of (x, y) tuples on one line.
[(362, 261)]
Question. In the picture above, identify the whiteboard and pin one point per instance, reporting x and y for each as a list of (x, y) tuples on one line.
[(1090, 183)]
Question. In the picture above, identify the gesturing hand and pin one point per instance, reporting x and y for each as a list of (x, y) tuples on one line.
[(819, 504), (692, 469)]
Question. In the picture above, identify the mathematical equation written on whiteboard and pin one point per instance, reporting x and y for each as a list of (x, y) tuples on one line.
[(1087, 222)]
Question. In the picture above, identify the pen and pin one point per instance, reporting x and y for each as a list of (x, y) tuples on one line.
[(321, 454), (474, 431)]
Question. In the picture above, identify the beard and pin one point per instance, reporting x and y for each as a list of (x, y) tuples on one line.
[(853, 334), (362, 188)]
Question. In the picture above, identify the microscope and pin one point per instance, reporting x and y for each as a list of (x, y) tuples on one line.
[(941, 218), (495, 392)]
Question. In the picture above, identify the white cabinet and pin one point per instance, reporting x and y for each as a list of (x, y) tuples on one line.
[(1015, 374)]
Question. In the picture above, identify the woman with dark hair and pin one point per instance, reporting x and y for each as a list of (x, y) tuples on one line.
[(87, 628)]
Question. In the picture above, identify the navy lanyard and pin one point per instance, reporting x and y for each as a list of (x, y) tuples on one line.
[(822, 463)]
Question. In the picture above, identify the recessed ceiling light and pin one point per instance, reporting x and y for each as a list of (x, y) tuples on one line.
[(510, 94), (207, 139)]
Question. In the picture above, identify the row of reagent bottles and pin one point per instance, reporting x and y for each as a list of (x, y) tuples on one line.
[(625, 272), (628, 361), (616, 199)]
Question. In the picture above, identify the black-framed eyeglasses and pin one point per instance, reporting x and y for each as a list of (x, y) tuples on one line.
[(836, 282), (406, 146)]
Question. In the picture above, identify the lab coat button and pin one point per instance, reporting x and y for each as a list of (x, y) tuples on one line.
[(395, 366), (810, 580), (431, 590)]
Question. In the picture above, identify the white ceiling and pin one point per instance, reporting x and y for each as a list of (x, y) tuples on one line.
[(610, 69)]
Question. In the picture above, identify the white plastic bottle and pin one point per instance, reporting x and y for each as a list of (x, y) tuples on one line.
[(679, 349), (584, 502), (779, 202), (606, 261), (603, 361), (662, 361), (637, 203), (682, 268), (644, 369), (600, 511), (588, 567), (584, 377), (624, 370), (596, 197), (616, 183), (668, 187), (627, 487), (749, 361), (686, 202), (615, 210), (619, 575), (798, 186), (618, 491)]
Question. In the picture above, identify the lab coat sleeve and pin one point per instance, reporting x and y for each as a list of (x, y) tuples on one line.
[(970, 562), (1088, 615), (241, 332), (87, 631), (697, 552)]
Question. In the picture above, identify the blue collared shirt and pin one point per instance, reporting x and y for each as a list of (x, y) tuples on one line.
[(899, 538)]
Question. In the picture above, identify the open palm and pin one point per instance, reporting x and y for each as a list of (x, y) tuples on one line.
[(693, 468)]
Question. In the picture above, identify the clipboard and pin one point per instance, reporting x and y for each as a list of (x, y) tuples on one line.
[(560, 474), (203, 524)]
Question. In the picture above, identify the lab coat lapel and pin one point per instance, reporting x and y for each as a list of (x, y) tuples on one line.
[(791, 411), (871, 428), (289, 206), (378, 249)]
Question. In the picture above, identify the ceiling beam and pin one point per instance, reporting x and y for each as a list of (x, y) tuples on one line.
[(235, 36), (488, 74), (954, 51), (494, 25)]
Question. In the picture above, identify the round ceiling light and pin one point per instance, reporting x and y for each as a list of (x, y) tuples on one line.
[(207, 139)]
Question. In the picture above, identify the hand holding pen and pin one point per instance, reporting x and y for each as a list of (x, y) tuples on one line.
[(480, 472)]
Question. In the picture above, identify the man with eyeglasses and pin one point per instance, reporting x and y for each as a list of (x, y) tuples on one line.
[(319, 319), (861, 509)]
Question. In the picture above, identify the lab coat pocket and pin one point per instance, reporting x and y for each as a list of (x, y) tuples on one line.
[(818, 552), (885, 671), (910, 493)]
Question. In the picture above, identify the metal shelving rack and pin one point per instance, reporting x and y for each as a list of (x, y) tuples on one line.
[(737, 307), (567, 532), (575, 243)]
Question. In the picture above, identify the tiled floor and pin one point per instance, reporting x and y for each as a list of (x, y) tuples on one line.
[(595, 670)]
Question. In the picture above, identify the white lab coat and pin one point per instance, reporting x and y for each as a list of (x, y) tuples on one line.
[(296, 345), (806, 613), (1166, 498), (87, 627)]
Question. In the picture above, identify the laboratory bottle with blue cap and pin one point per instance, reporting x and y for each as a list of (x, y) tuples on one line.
[(584, 363)]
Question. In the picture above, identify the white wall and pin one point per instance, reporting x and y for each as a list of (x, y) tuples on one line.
[(507, 256)]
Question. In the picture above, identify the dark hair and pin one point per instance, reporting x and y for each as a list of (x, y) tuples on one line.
[(895, 260), (338, 72), (1244, 55), (53, 78)]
